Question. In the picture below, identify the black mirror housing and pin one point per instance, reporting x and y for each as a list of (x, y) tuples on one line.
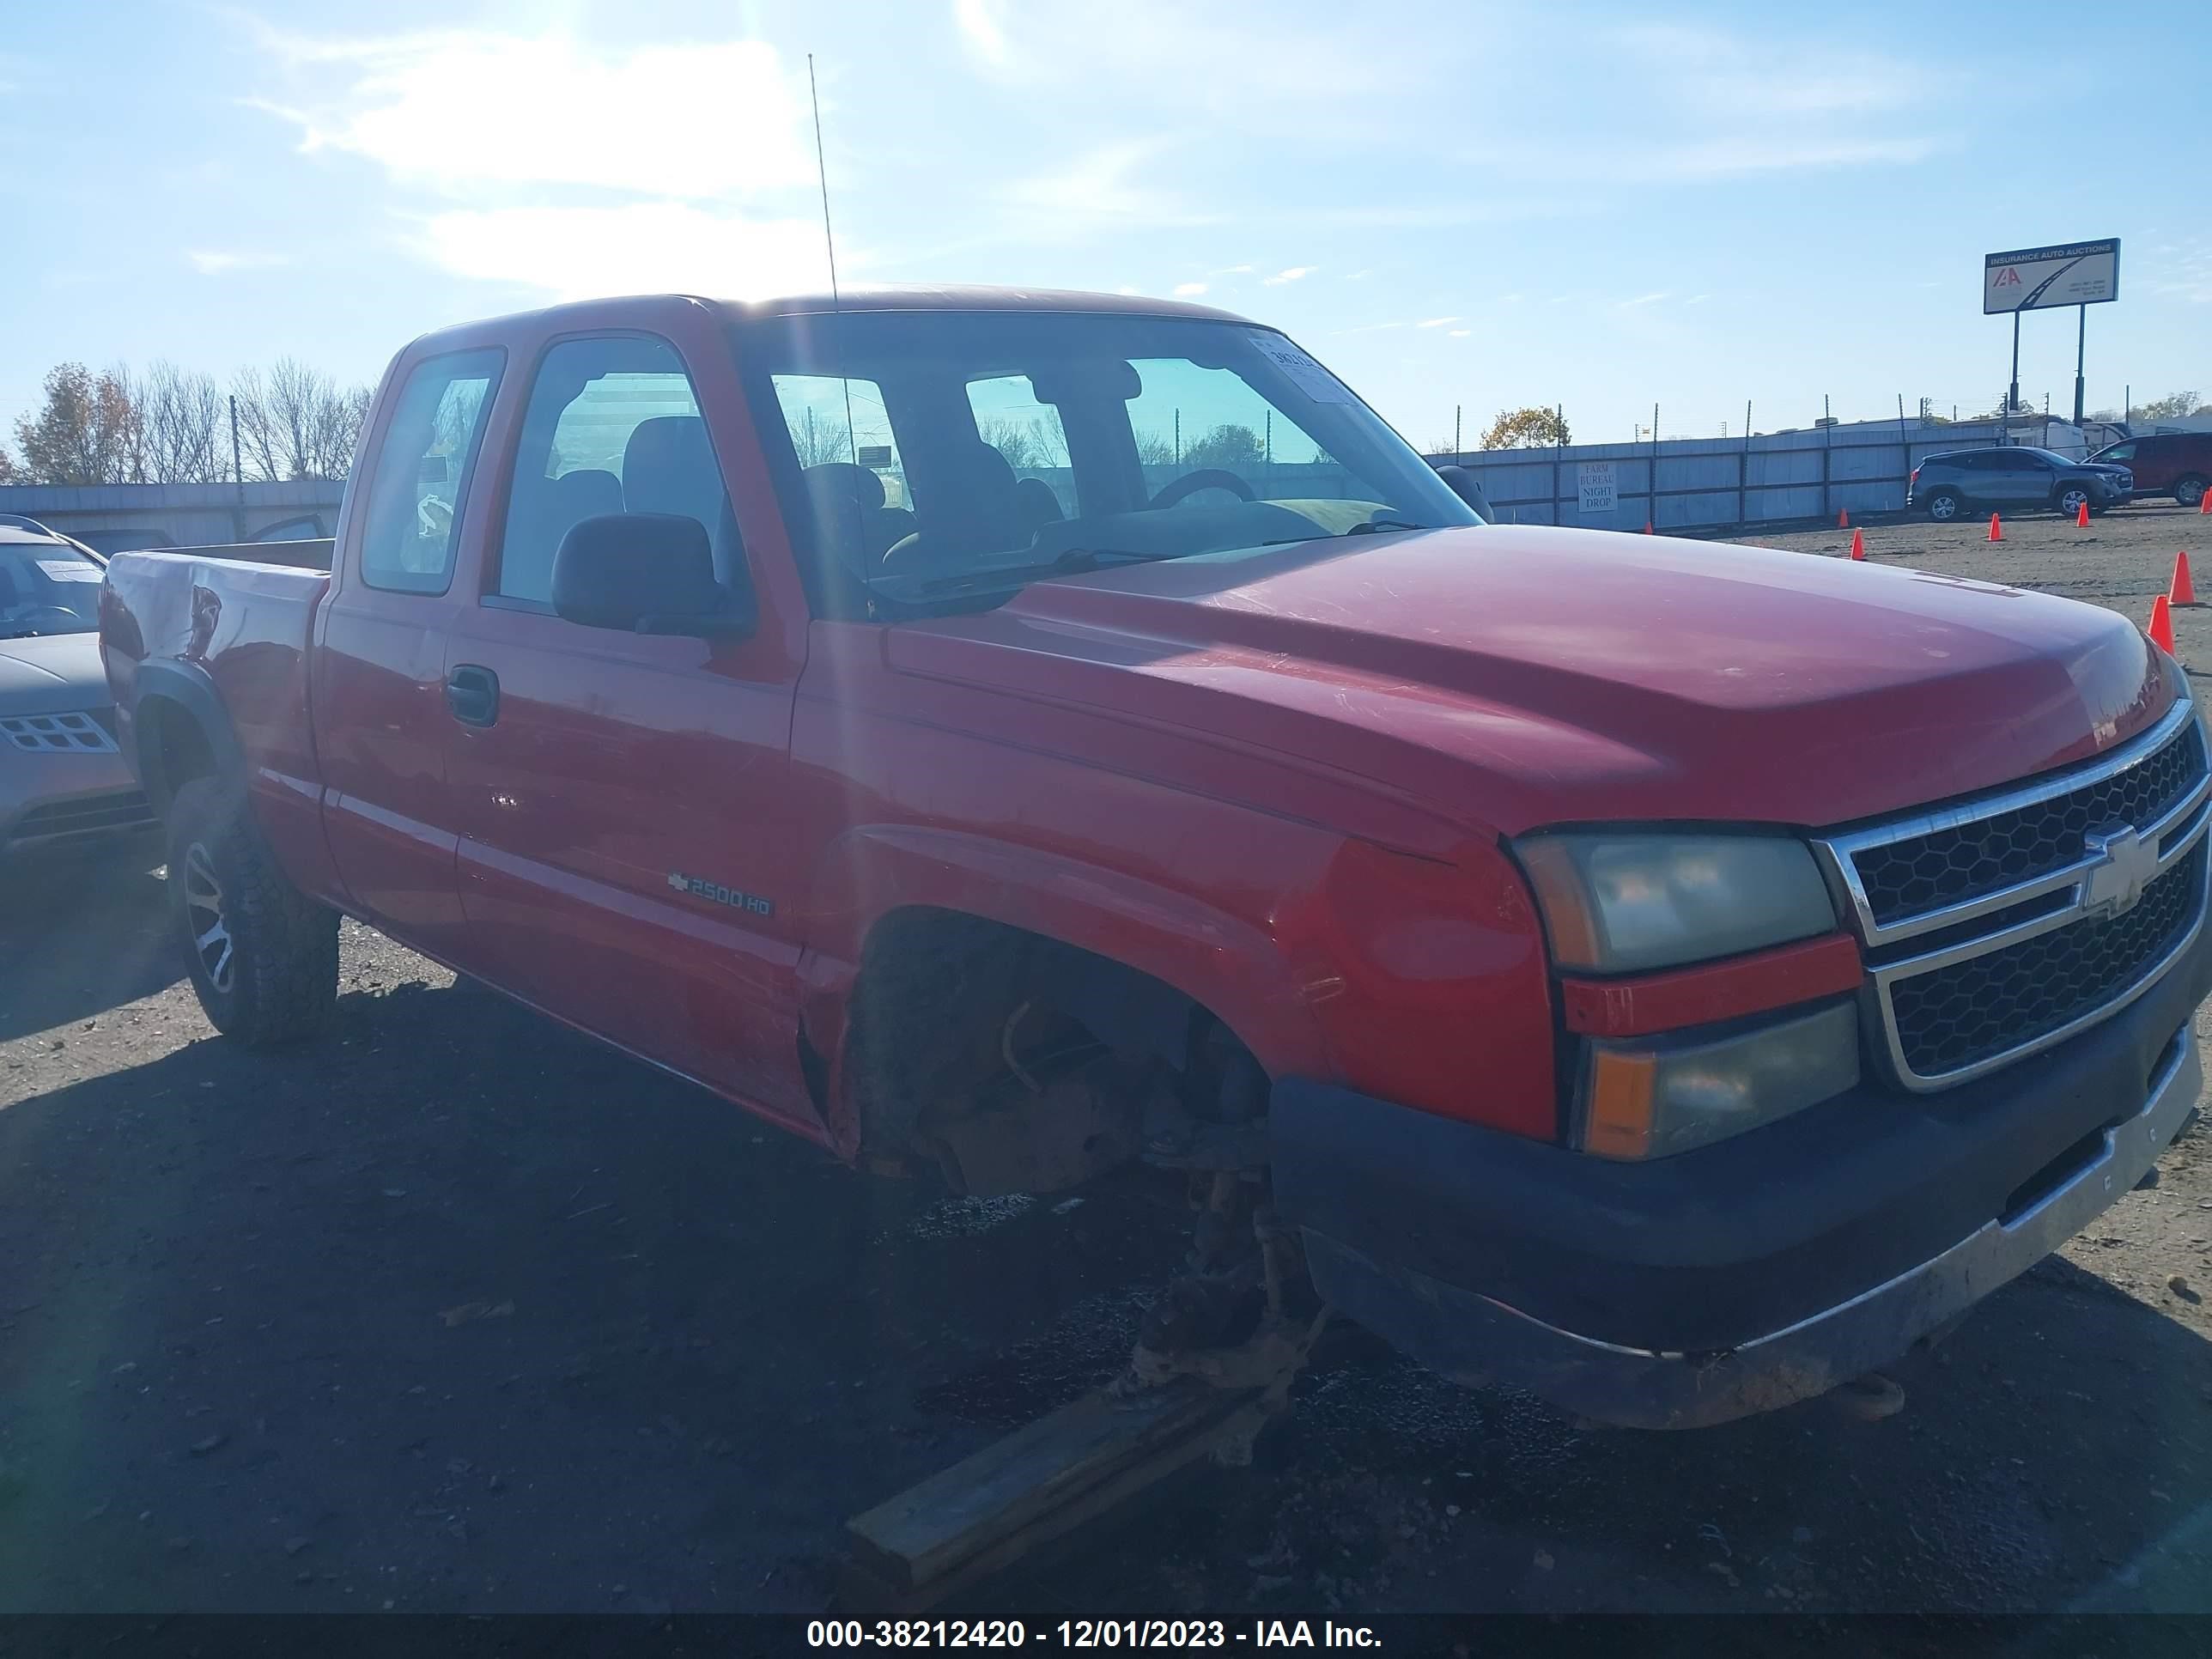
[(1469, 488), (643, 572)]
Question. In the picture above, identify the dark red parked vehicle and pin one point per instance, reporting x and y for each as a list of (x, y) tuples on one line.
[(2179, 464), (1007, 736)]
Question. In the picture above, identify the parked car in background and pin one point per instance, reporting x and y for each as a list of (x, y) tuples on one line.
[(64, 784), (2013, 478), (2176, 464)]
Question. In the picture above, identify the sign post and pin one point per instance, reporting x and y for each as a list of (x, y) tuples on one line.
[(2077, 274)]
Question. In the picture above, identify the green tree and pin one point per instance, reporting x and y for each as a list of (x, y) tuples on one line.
[(1233, 447), (2175, 406), (86, 431), (1526, 428)]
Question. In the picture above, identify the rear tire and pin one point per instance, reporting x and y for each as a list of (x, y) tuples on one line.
[(264, 958), (1943, 506), (2189, 491)]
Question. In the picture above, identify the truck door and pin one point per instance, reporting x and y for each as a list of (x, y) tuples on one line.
[(381, 715), (627, 859)]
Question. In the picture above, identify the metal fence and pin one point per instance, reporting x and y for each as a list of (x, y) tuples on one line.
[(1680, 483)]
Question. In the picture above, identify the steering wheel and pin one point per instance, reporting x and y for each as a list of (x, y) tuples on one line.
[(40, 617), (1206, 478)]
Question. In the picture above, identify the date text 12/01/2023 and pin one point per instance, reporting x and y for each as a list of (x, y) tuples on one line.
[(1085, 1633)]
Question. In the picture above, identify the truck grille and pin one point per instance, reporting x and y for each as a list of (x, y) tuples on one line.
[(1991, 1004), (1904, 878), (2000, 926)]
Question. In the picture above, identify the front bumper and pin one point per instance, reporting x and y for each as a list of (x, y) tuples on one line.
[(1744, 1276), (66, 804)]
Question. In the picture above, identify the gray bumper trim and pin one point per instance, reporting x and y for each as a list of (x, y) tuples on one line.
[(1646, 1388)]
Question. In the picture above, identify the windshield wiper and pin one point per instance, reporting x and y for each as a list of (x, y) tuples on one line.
[(1364, 527), (1073, 562)]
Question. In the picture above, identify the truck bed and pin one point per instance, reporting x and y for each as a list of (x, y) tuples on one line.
[(226, 639)]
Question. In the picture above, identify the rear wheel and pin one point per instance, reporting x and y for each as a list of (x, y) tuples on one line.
[(264, 958), (1943, 505), (2072, 498), (2189, 491)]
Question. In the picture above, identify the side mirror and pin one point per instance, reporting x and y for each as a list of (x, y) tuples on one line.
[(1464, 486), (643, 572)]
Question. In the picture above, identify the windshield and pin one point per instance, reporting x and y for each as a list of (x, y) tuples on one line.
[(47, 588), (936, 456)]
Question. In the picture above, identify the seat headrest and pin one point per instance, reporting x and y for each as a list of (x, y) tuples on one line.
[(833, 480), (584, 493), (668, 467)]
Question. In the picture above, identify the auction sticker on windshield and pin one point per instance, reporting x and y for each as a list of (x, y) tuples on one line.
[(1308, 376), (70, 570)]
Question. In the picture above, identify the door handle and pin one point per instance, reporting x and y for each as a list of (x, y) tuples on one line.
[(472, 693)]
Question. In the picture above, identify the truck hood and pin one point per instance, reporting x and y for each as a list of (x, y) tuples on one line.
[(1513, 677), (52, 675)]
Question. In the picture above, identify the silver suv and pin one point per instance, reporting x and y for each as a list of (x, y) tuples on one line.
[(2013, 479)]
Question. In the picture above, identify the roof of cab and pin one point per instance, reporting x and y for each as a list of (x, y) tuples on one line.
[(933, 297), (599, 313)]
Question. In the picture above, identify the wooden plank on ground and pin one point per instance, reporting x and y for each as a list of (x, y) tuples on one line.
[(986, 1511)]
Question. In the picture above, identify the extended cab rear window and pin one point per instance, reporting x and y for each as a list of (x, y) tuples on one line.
[(419, 477)]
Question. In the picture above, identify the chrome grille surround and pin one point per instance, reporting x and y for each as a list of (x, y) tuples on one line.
[(2103, 883)]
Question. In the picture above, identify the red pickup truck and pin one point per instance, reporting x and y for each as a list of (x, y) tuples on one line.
[(1010, 736)]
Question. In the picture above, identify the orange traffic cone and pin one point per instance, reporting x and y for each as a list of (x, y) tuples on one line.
[(1843, 518), (1858, 545), (1997, 530), (1647, 527), (2162, 625), (2184, 591), (2082, 516), (2204, 502)]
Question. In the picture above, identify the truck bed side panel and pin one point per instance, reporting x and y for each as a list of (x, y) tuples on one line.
[(240, 633)]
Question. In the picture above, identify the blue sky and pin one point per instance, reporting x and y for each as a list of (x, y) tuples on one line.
[(1486, 204)]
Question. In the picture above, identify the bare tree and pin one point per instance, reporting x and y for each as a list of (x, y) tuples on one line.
[(295, 423), (181, 425), (85, 432), (819, 440), (1027, 445)]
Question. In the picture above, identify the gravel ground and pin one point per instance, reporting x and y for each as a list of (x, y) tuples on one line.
[(461, 1312)]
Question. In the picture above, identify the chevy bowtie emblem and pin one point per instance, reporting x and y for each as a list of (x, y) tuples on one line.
[(2125, 864)]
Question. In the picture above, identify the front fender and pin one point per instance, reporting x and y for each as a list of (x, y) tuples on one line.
[(1231, 967)]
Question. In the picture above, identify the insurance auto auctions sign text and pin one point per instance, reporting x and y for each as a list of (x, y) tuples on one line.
[(2036, 279)]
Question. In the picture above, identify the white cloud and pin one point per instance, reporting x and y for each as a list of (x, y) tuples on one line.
[(1232, 270), (981, 33), (1291, 274), (1188, 290), (644, 247), (1099, 190), (1125, 291), (466, 112), (215, 262), (1435, 322), (1460, 333), (1645, 300)]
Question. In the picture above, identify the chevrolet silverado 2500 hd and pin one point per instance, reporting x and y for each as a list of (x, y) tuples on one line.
[(1014, 735)]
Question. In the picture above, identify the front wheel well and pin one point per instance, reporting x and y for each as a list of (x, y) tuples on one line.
[(1017, 1062)]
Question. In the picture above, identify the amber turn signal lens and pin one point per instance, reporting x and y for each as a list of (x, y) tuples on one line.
[(1620, 1120)]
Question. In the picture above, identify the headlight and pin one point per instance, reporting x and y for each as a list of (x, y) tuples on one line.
[(1620, 903), (1650, 1100)]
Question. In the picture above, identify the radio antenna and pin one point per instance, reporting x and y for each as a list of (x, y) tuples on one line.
[(829, 241)]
